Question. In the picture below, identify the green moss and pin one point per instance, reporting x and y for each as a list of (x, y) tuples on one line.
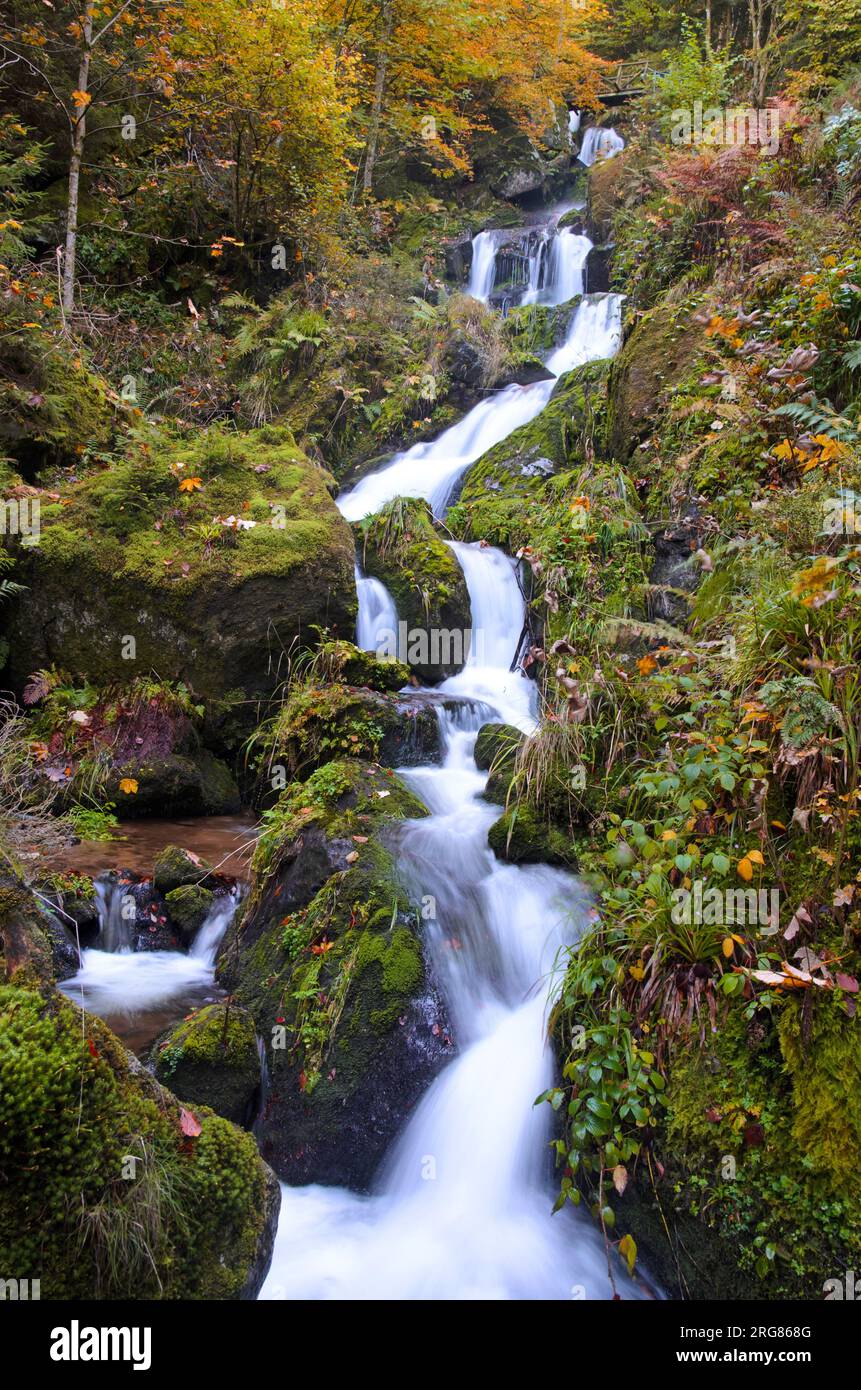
[(176, 867), (204, 602), (188, 907), (522, 836), (401, 547), (76, 1210), (348, 663), (824, 1062), (211, 1058)]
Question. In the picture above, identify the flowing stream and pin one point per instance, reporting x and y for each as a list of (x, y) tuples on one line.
[(139, 993), (462, 1207)]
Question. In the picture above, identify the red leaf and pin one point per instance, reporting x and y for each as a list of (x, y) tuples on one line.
[(847, 982), (189, 1123), (94, 1051)]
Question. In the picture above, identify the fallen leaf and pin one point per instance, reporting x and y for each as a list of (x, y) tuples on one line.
[(189, 1123)]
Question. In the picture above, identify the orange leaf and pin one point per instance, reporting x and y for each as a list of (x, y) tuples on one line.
[(745, 869), (189, 1123), (128, 785), (191, 484)]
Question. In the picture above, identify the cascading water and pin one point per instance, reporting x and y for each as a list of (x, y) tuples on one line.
[(377, 613), (463, 1205), (599, 142), (115, 982), (431, 470), (483, 268)]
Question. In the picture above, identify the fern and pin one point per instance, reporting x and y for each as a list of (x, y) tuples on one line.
[(852, 356), (820, 418)]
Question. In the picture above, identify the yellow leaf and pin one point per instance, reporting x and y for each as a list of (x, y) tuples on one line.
[(745, 869), (190, 484), (81, 98), (128, 785), (646, 665), (636, 972), (669, 835), (728, 945), (755, 857)]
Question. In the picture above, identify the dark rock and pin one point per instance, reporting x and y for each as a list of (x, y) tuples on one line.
[(175, 867), (211, 1058), (188, 908)]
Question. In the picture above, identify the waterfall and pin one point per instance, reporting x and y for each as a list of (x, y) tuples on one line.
[(117, 983), (599, 142), (432, 469), (568, 255), (462, 1207), (377, 614), (573, 122), (483, 268), (115, 931)]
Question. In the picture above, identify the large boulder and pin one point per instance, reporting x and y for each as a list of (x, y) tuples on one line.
[(328, 960), (401, 547), (657, 353), (202, 562), (211, 1058)]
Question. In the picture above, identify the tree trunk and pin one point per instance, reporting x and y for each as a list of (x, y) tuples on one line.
[(379, 92), (79, 136)]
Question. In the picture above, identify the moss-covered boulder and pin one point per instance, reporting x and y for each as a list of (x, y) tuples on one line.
[(495, 752), (211, 1058), (401, 547), (521, 836), (319, 722), (110, 1188), (605, 186), (202, 561), (343, 661), (188, 907), (176, 867), (328, 960), (175, 785), (657, 353)]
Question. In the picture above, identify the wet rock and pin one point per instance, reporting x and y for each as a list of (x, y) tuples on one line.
[(188, 908), (520, 836), (211, 1058), (175, 867), (328, 960)]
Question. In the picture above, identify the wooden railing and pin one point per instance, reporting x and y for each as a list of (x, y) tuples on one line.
[(629, 78)]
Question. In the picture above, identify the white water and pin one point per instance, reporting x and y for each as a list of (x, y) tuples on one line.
[(116, 982), (483, 268), (573, 121), (377, 613), (463, 1206), (431, 469), (599, 142)]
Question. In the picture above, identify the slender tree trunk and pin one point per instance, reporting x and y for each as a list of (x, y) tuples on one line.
[(379, 93), (709, 28), (79, 136)]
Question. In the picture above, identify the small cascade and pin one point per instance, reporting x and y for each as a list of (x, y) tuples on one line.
[(573, 122), (599, 142), (377, 615), (115, 930), (432, 469), (483, 269), (118, 983)]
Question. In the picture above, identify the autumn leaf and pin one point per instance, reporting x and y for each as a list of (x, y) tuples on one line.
[(189, 1123), (81, 99), (728, 945), (620, 1178), (628, 1251), (128, 785), (191, 484), (646, 665), (745, 869)]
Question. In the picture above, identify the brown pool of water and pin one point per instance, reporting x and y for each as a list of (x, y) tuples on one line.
[(225, 842)]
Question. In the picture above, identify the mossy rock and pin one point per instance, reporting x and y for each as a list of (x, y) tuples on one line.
[(495, 752), (53, 407), (520, 836), (26, 953), (758, 1147), (176, 867), (108, 1191), (328, 960), (401, 547), (657, 353), (175, 785), (605, 183), (505, 483), (188, 907), (211, 1058), (318, 722), (348, 663), (206, 604)]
